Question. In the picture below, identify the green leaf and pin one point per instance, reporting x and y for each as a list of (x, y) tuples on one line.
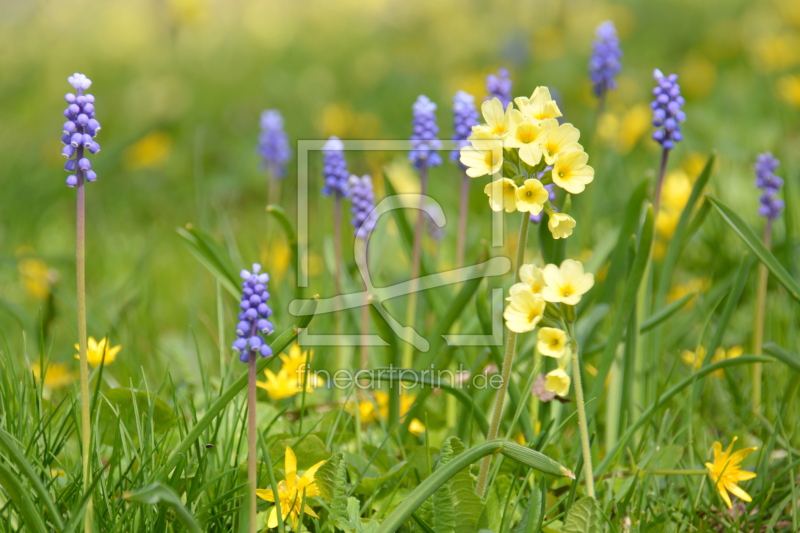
[(756, 246), (552, 249), (213, 256), (444, 520), (791, 360), (308, 449), (291, 238), (129, 402), (584, 517), (278, 345), (17, 457), (20, 495), (468, 505), (158, 493), (532, 518), (667, 457), (330, 475)]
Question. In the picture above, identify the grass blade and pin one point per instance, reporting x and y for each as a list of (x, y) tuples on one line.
[(158, 493), (22, 500)]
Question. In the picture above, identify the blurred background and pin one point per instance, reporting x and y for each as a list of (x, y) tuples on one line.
[(180, 85)]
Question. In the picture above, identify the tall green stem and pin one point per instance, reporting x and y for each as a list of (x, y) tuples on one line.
[(80, 268), (582, 424), (508, 359), (252, 477), (416, 260), (337, 270), (758, 330), (461, 239)]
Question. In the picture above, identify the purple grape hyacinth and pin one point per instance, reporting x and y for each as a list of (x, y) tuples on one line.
[(363, 197), (465, 116), (499, 86), (605, 62), (253, 318), (273, 144), (424, 140), (667, 114), (79, 132), (766, 180), (334, 168)]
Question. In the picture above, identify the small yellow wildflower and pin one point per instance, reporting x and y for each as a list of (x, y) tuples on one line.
[(570, 171), (58, 375), (560, 140), (502, 195), (291, 492), (148, 152), (539, 106), (367, 410), (484, 155), (289, 379), (726, 471), (96, 350), (530, 279), (531, 197), (524, 312), (36, 277), (566, 284), (695, 359), (527, 135), (498, 120), (552, 342), (560, 224), (557, 381)]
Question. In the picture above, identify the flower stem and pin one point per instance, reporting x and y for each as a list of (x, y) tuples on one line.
[(660, 182), (80, 268), (252, 478), (416, 259), (758, 329), (508, 359), (461, 240), (337, 272), (582, 423)]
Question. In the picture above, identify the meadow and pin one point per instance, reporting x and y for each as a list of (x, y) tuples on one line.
[(424, 266)]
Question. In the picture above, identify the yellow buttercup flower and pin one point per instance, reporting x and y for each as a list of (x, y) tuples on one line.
[(531, 197), (36, 278), (530, 279), (502, 195), (498, 120), (95, 351), (557, 381), (483, 156), (524, 312), (695, 359), (527, 136), (291, 492), (560, 140), (367, 410), (560, 224), (58, 375), (566, 284), (726, 471), (539, 106), (551, 342), (570, 171), (289, 379)]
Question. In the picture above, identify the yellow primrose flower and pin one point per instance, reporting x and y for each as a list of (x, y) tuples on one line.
[(540, 105), (560, 224), (483, 156), (560, 140), (530, 279), (557, 381), (95, 351), (502, 195), (566, 284), (498, 120), (524, 312), (552, 342), (527, 136), (570, 171), (531, 197), (291, 492), (726, 471), (58, 375)]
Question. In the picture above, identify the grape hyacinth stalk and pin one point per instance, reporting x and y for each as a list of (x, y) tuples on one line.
[(605, 62), (465, 116), (78, 136), (499, 86), (253, 326), (274, 149), (423, 154), (770, 208), (667, 117), (364, 219)]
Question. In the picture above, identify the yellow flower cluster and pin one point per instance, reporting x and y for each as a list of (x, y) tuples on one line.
[(529, 149), (695, 359), (289, 379), (528, 299), (369, 411)]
